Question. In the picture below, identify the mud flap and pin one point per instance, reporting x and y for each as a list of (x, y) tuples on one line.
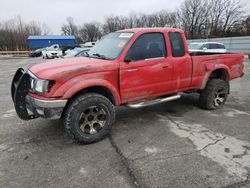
[(19, 91)]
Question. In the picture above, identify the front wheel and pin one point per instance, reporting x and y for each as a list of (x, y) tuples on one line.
[(214, 95), (89, 118)]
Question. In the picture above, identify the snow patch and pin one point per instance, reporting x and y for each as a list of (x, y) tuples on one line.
[(229, 152), (9, 113), (151, 150), (234, 113), (83, 171)]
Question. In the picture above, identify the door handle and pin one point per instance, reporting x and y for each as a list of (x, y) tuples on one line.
[(132, 70)]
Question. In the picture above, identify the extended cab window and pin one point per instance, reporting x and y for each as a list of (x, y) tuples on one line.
[(149, 45), (177, 44)]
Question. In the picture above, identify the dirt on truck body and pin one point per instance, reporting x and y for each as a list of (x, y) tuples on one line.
[(134, 67)]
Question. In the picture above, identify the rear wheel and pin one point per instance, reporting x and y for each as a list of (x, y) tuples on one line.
[(214, 95), (89, 118)]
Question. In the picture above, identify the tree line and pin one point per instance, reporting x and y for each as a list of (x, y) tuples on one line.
[(15, 32), (198, 18)]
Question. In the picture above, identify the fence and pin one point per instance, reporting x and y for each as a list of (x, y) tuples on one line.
[(15, 53), (233, 44)]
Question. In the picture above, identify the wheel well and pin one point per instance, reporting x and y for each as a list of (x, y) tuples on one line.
[(97, 89), (220, 74)]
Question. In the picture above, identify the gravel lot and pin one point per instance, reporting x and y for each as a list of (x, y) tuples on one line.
[(175, 144)]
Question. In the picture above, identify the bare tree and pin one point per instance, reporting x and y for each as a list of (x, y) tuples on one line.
[(14, 33), (232, 15), (210, 18), (90, 32), (247, 25), (215, 18), (113, 23), (193, 15), (70, 28), (45, 29)]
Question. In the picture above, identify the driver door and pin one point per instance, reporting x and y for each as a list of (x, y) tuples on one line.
[(145, 72)]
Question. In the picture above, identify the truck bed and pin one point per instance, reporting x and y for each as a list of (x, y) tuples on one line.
[(203, 62)]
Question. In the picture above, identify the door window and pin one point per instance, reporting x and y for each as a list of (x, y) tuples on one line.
[(147, 46)]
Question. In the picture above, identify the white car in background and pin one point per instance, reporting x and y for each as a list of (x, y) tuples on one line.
[(87, 45), (52, 52), (210, 47)]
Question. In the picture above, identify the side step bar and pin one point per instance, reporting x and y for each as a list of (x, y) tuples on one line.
[(153, 101)]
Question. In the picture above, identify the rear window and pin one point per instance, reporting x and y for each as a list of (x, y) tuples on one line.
[(221, 46), (177, 44), (213, 46)]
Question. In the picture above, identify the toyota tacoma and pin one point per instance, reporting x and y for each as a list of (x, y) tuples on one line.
[(134, 67)]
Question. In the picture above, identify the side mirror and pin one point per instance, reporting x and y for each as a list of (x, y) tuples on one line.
[(204, 49), (127, 59)]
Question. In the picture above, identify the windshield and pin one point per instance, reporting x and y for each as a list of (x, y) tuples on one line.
[(110, 46), (195, 46)]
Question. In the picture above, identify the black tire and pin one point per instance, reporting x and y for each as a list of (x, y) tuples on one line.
[(214, 95), (80, 125)]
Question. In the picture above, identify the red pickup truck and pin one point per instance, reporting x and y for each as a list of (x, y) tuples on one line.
[(134, 67)]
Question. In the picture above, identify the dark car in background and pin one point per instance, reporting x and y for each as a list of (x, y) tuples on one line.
[(37, 52)]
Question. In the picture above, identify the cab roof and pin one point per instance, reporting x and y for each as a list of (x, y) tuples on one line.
[(151, 29)]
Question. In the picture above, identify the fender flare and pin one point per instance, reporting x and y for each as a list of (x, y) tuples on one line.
[(210, 68), (84, 84)]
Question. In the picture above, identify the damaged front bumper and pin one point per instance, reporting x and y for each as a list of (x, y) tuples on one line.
[(28, 107), (49, 109)]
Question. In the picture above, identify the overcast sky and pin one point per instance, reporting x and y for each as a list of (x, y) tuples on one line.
[(55, 12)]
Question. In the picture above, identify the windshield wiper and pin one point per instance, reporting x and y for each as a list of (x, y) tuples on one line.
[(100, 56), (86, 54)]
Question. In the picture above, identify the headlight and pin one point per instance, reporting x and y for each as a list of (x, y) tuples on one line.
[(38, 85)]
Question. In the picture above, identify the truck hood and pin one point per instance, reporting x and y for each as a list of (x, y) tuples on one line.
[(69, 68)]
